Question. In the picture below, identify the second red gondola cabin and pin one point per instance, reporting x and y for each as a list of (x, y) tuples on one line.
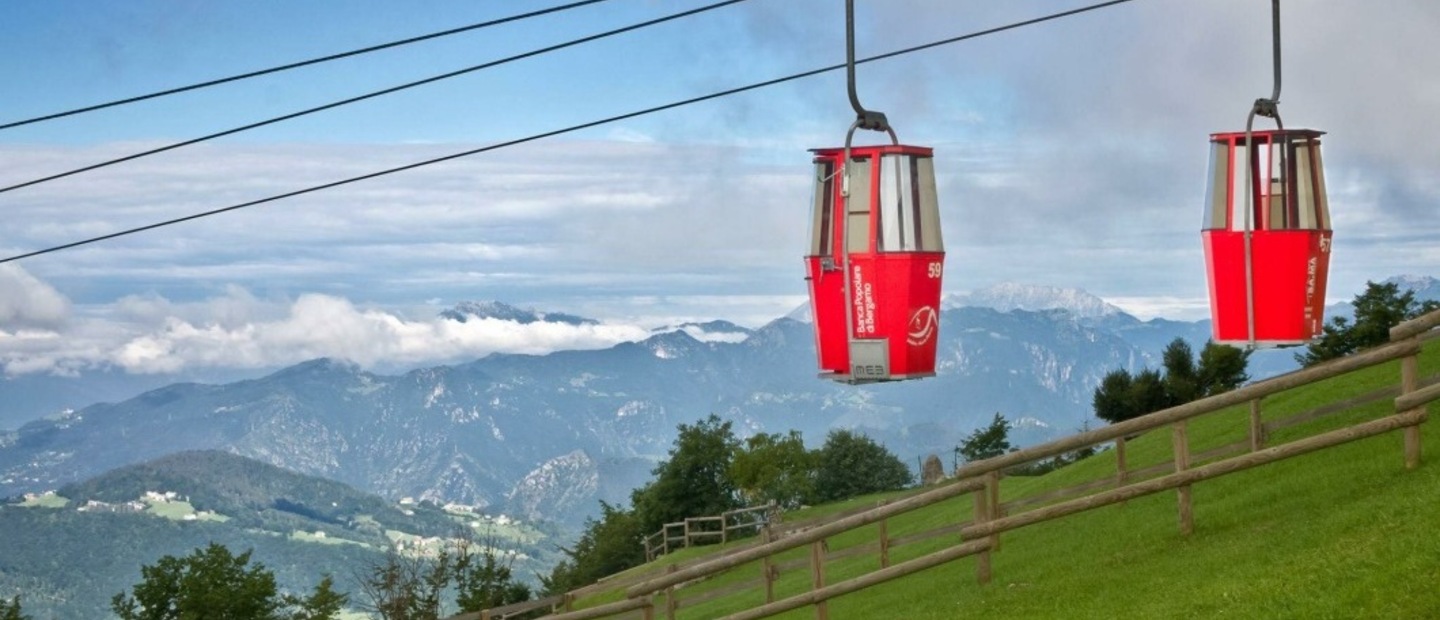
[(1267, 265)]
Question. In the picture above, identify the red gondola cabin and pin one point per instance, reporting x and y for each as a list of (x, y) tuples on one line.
[(875, 264), (1267, 271)]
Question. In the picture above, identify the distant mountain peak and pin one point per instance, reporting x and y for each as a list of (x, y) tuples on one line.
[(709, 331), (802, 313), (673, 345), (1425, 287), (1008, 296), (1413, 280), (500, 310), (320, 365)]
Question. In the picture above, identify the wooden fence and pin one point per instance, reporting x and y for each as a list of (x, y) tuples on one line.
[(980, 535), (697, 530)]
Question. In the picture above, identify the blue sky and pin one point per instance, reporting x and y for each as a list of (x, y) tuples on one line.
[(1070, 154)]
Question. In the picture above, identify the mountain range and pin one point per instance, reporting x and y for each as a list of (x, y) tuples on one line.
[(545, 436)]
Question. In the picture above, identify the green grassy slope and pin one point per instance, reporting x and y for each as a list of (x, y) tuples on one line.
[(1345, 532)]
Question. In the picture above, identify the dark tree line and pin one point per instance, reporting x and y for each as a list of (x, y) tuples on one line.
[(1122, 395), (710, 471), (214, 584)]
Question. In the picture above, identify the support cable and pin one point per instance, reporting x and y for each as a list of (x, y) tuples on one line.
[(296, 65), (370, 95), (570, 129)]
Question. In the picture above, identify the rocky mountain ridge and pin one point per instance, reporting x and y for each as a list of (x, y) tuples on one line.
[(548, 435)]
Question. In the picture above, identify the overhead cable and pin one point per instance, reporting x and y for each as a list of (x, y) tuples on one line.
[(371, 95), (556, 132), (296, 65)]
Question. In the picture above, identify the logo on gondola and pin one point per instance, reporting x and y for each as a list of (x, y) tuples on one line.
[(923, 325)]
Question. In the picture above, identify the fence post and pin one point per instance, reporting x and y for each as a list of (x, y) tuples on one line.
[(1409, 382), (1120, 474), (766, 536), (817, 576), (884, 538), (1257, 428), (687, 533), (982, 514), (1182, 462), (725, 527), (670, 603), (992, 489)]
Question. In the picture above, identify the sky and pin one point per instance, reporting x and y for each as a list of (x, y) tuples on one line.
[(1070, 153)]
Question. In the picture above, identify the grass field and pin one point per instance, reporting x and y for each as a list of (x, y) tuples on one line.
[(178, 510), (321, 538), (1345, 532), (46, 500)]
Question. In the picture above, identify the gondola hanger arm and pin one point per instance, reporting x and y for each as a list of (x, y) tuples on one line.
[(872, 120), (1270, 108)]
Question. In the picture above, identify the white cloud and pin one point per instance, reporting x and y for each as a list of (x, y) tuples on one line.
[(1173, 308), (326, 326), (26, 302), (151, 334), (715, 336)]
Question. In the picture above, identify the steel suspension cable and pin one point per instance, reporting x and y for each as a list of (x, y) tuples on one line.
[(370, 95), (570, 129), (297, 65)]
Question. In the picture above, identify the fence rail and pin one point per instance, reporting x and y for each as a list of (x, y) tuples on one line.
[(980, 535)]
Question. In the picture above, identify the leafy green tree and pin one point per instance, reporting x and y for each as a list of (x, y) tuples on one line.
[(210, 583), (695, 481), (1147, 392), (11, 610), (1222, 368), (1122, 396), (323, 603), (774, 467), (988, 442), (851, 464), (1379, 308), (1111, 400), (609, 545), (1182, 378)]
